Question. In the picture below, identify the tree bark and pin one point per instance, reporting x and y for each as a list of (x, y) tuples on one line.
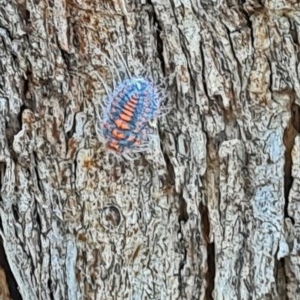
[(212, 211)]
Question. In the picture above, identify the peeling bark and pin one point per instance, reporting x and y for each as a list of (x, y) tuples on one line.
[(211, 212)]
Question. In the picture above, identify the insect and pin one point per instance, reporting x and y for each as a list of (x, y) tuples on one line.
[(124, 124)]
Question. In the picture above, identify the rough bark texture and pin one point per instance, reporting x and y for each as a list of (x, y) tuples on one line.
[(212, 212)]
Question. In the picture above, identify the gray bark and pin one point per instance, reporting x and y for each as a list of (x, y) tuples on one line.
[(212, 211)]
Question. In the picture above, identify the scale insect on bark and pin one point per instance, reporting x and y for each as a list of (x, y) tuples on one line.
[(124, 125)]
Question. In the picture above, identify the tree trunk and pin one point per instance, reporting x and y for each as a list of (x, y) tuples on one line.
[(212, 211)]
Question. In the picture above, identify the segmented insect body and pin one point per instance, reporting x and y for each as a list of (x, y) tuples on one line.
[(124, 126)]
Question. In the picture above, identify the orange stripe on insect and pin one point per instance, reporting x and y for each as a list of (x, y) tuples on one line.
[(125, 117), (131, 138), (113, 145), (128, 107), (131, 104), (128, 112), (121, 124), (135, 97), (133, 100), (118, 134)]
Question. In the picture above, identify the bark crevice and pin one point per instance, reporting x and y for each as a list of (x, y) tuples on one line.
[(290, 133), (210, 272), (10, 279)]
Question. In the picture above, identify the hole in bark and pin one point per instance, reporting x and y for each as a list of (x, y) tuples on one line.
[(49, 283), (205, 227), (27, 16), (159, 42), (183, 215), (295, 116), (181, 266), (203, 71), (2, 174), (160, 49), (210, 275), (1, 227), (280, 277), (38, 220), (293, 32), (289, 138), (11, 282), (66, 58), (15, 212), (71, 143), (22, 108), (170, 180), (26, 94)]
